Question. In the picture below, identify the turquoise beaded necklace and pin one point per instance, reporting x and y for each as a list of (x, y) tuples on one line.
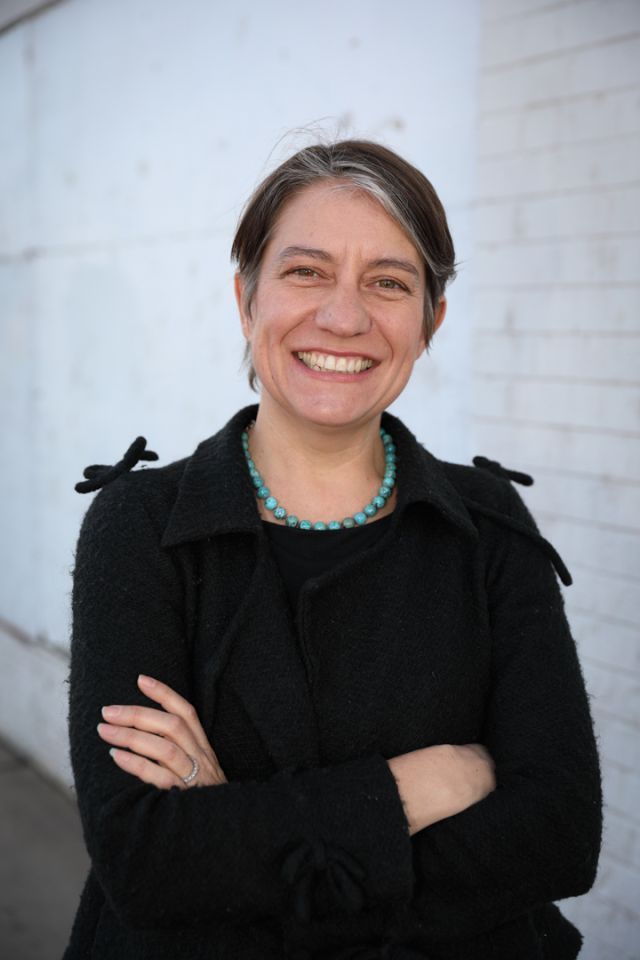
[(357, 520)]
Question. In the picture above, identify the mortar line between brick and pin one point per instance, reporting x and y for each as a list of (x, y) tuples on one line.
[(601, 617), (522, 153), (586, 191), (532, 11), (587, 523), (510, 377), (608, 574), (557, 427), (515, 243), (559, 53), (552, 102), (609, 667)]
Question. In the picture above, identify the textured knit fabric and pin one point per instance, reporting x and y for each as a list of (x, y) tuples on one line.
[(450, 629), (302, 555)]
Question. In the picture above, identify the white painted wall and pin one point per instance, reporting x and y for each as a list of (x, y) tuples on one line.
[(556, 359), (132, 136), (133, 133)]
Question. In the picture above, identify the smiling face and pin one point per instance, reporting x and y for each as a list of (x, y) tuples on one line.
[(336, 321)]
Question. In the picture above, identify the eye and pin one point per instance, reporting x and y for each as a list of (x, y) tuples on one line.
[(388, 283), (303, 272)]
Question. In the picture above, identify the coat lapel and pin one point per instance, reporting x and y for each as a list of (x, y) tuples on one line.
[(267, 671), (257, 652)]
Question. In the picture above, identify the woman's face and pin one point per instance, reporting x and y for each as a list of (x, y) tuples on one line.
[(336, 322)]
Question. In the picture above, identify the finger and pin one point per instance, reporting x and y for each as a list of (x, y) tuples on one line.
[(145, 770), (150, 720), (163, 751), (174, 703)]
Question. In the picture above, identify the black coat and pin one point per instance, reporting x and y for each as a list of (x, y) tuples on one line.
[(449, 630)]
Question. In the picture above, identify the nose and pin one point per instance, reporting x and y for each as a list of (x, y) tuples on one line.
[(343, 312)]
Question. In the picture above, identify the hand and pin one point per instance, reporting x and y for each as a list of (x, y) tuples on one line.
[(439, 781), (160, 743)]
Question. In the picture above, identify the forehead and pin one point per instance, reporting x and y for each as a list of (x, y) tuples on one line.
[(338, 215)]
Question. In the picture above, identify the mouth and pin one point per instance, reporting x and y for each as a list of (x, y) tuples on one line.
[(330, 363)]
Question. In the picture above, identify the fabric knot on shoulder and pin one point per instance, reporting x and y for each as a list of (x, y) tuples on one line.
[(324, 878), (515, 524), (98, 475), (496, 468)]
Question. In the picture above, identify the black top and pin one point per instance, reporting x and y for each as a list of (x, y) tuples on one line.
[(302, 555)]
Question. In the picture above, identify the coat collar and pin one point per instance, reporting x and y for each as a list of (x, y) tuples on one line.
[(215, 495)]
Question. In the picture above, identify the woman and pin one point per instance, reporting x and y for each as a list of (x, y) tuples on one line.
[(345, 712)]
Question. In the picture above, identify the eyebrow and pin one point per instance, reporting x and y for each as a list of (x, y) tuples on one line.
[(317, 254)]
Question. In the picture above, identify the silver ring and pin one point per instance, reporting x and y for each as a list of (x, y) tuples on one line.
[(194, 770)]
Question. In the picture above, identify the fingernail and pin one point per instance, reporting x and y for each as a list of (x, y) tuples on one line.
[(148, 680), (110, 712), (113, 751)]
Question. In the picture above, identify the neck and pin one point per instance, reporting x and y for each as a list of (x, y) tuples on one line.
[(325, 471)]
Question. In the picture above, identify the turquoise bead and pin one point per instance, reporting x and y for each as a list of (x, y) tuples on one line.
[(358, 519)]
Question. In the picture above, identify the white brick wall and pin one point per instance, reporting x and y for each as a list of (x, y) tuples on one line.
[(556, 359)]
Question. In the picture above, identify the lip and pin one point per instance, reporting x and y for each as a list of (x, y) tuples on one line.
[(335, 353), (334, 376)]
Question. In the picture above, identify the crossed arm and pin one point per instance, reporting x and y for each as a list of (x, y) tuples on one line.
[(157, 747)]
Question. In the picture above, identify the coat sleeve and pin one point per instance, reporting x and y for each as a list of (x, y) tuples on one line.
[(324, 839), (537, 836)]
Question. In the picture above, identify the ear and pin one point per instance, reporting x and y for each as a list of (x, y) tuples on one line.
[(440, 312), (245, 318)]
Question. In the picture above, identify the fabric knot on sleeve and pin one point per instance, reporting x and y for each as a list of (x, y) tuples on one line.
[(494, 467), (323, 878), (98, 475)]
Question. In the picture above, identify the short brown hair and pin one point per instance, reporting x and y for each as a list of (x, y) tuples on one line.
[(402, 190)]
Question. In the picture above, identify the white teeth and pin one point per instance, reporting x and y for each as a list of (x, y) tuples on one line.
[(330, 363)]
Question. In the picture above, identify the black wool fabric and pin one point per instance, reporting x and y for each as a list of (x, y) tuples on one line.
[(302, 555), (449, 629)]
